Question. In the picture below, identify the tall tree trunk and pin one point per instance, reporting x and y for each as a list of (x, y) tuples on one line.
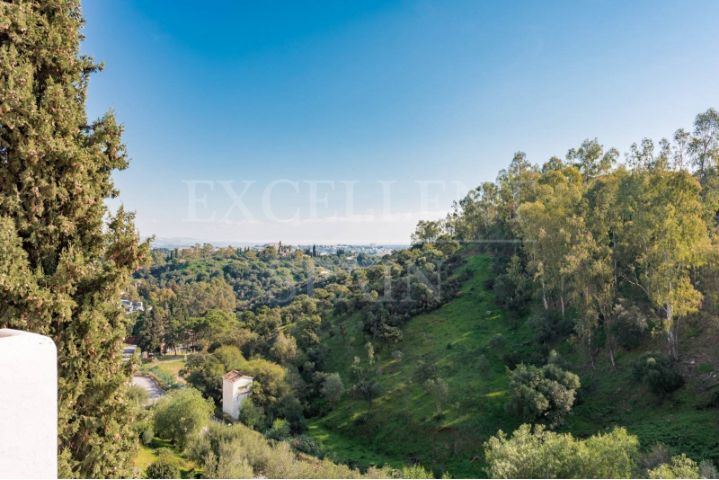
[(611, 357), (672, 333), (611, 343)]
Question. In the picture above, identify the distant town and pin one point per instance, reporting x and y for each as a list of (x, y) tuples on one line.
[(318, 249)]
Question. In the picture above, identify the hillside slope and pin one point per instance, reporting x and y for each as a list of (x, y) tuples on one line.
[(401, 425), (471, 341)]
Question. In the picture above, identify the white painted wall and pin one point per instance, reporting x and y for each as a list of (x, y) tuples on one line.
[(28, 405), (228, 401), (233, 394)]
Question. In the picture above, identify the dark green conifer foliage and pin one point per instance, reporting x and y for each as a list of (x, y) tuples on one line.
[(64, 258)]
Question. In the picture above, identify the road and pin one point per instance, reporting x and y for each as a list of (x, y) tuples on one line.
[(128, 351), (154, 392)]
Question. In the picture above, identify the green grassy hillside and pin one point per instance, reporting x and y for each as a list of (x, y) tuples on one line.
[(470, 339), (401, 424)]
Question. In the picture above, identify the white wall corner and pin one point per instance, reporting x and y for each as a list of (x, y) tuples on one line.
[(28, 405)]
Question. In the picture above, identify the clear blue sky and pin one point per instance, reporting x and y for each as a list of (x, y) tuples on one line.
[(372, 92)]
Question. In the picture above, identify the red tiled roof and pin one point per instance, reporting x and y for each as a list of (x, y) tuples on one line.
[(234, 375)]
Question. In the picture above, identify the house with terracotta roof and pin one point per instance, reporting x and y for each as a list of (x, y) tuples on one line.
[(236, 387)]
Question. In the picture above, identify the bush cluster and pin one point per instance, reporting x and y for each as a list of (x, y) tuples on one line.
[(659, 373)]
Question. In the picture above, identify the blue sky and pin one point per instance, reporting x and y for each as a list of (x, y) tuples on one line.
[(257, 121)]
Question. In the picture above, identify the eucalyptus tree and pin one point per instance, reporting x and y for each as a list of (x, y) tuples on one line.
[(549, 226), (594, 263), (704, 143), (591, 159), (668, 239)]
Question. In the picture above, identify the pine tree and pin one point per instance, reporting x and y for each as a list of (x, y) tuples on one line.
[(65, 259)]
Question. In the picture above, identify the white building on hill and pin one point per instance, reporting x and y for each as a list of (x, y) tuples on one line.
[(235, 389), (131, 306)]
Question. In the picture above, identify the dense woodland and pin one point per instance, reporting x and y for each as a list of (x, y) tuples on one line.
[(528, 334), (282, 345), (271, 276), (605, 247), (594, 254)]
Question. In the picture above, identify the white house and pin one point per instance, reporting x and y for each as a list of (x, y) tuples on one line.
[(131, 306), (235, 389)]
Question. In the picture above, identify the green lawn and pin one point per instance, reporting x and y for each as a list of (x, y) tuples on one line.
[(144, 457), (172, 365), (166, 368)]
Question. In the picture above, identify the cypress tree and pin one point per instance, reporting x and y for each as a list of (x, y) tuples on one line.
[(152, 332), (64, 258)]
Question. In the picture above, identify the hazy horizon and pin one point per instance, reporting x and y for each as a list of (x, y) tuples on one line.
[(182, 242)]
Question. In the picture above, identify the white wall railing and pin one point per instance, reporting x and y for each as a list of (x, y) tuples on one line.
[(28, 405)]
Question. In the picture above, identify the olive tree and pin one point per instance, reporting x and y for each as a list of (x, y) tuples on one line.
[(182, 414), (543, 394)]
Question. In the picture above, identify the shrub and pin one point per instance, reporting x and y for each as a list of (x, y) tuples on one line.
[(290, 408), (305, 444), (540, 453), (166, 465), (237, 452), (228, 466), (137, 395), (144, 428), (424, 371), (497, 343), (366, 389), (148, 434), (332, 388), (438, 389), (630, 327), (181, 414), (279, 430), (550, 326), (415, 471), (543, 394), (658, 372), (680, 466), (657, 455), (707, 469), (223, 446), (252, 415)]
